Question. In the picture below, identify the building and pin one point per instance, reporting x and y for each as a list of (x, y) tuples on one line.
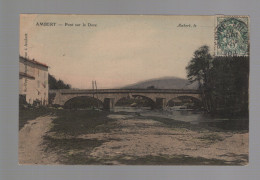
[(33, 81)]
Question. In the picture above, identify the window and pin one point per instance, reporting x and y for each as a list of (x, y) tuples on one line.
[(38, 82)]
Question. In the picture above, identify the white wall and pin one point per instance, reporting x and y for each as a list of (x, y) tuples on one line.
[(34, 89)]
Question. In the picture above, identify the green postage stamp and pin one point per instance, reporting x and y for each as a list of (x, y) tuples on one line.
[(232, 36)]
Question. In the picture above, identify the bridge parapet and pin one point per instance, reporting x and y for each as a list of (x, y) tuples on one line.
[(79, 91), (63, 95)]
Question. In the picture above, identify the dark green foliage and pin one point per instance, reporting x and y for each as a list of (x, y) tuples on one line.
[(57, 84), (229, 85), (199, 70), (223, 82)]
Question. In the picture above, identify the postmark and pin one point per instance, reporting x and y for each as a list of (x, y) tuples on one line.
[(232, 36)]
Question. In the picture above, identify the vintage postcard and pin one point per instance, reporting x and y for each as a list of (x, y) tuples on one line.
[(133, 89)]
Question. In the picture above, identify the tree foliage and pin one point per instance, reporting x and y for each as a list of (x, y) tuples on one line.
[(198, 70), (223, 81), (230, 84), (57, 84)]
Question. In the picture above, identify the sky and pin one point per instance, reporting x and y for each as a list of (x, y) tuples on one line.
[(114, 50)]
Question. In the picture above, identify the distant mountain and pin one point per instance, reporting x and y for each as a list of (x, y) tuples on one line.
[(163, 83)]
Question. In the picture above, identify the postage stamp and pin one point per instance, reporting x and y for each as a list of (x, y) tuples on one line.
[(232, 36)]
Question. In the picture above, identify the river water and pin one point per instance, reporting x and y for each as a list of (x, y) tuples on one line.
[(190, 116)]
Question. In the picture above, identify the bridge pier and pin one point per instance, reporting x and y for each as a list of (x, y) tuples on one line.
[(160, 103), (108, 103)]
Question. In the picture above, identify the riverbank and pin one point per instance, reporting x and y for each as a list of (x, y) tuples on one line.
[(98, 137), (27, 114), (31, 137)]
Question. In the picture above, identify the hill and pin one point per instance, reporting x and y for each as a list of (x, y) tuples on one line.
[(163, 83)]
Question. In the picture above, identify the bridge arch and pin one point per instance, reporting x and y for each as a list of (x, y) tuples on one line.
[(184, 99), (82, 102), (140, 100)]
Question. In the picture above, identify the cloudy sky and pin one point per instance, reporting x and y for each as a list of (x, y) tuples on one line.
[(118, 51)]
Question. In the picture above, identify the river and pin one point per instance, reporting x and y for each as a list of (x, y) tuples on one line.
[(190, 116)]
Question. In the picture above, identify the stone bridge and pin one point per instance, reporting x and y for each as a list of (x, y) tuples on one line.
[(109, 97)]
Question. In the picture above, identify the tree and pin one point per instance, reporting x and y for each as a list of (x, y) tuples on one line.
[(198, 67), (230, 76), (198, 70), (57, 84), (223, 82)]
